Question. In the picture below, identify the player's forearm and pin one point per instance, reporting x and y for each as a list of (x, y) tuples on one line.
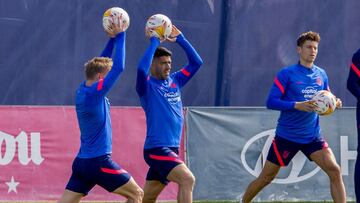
[(107, 52), (194, 58), (119, 58), (141, 83), (145, 64), (147, 58), (118, 62), (278, 104)]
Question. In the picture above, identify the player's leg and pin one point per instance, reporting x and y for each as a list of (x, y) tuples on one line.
[(162, 161), (182, 175), (70, 197), (112, 177), (78, 186), (357, 163), (357, 175), (280, 154), (155, 181), (131, 191), (267, 174), (152, 190), (325, 158)]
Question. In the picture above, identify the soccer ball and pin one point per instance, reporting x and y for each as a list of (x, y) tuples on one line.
[(115, 16), (159, 26), (325, 102)]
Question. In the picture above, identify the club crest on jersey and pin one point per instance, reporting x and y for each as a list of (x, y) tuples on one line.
[(173, 85), (318, 81)]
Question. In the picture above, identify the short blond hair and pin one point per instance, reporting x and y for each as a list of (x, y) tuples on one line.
[(97, 65)]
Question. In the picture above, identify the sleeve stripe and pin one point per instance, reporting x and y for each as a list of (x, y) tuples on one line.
[(185, 72), (100, 84), (278, 84), (355, 69)]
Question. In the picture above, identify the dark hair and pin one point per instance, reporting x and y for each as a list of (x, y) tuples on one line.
[(310, 35), (162, 51), (97, 65)]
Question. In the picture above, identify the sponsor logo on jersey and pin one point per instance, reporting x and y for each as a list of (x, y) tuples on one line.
[(309, 92)]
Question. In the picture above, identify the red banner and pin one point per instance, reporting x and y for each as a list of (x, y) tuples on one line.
[(39, 143)]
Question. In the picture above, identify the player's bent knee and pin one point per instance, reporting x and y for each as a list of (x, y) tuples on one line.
[(188, 180), (70, 197), (139, 192), (149, 198), (334, 171), (131, 191), (137, 195)]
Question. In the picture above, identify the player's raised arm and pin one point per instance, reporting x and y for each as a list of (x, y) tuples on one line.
[(118, 35), (194, 58), (118, 63), (107, 52), (144, 66)]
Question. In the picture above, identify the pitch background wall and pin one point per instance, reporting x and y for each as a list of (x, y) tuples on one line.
[(44, 44), (227, 147), (224, 147), (39, 143)]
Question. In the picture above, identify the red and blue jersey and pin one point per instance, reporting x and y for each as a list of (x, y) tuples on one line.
[(353, 82), (93, 108), (293, 84), (161, 99), (353, 85)]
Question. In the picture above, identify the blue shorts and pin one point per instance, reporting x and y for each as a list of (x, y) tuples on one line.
[(161, 161), (102, 171), (282, 151)]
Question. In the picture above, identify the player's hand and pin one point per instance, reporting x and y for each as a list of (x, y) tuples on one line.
[(116, 27), (338, 103), (174, 33), (152, 33), (307, 106), (110, 33)]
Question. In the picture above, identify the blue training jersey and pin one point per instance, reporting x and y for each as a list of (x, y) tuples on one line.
[(353, 81), (293, 84), (93, 108), (161, 99)]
